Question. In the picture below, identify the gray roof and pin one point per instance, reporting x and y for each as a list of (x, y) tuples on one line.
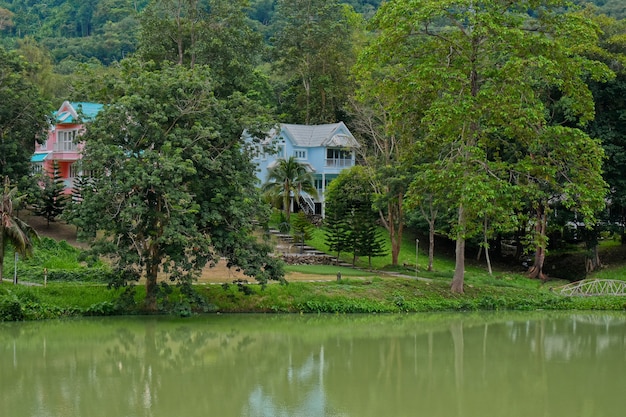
[(332, 135)]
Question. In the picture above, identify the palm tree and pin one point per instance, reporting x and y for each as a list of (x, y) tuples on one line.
[(13, 230), (286, 179)]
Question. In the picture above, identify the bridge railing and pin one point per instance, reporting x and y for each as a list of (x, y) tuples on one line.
[(593, 287)]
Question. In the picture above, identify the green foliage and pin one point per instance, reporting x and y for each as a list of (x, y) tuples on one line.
[(351, 224), (286, 181), (314, 48), (10, 308), (23, 115), (104, 30), (63, 263), (215, 33), (447, 69), (14, 232), (301, 227), (51, 200)]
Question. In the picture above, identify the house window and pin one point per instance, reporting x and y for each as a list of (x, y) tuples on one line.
[(300, 153), (338, 158), (76, 171), (66, 140), (37, 168), (322, 185)]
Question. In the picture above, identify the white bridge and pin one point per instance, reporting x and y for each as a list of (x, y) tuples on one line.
[(593, 287)]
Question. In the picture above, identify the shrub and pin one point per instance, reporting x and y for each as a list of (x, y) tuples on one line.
[(11, 308)]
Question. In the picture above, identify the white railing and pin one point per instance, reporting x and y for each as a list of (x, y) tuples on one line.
[(339, 163), (307, 204), (594, 287), (65, 147)]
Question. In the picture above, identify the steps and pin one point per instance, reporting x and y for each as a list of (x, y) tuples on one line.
[(300, 253)]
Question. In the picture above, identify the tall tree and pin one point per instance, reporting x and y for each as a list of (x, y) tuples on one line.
[(172, 189), (314, 49), (287, 180), (610, 122), (42, 75), (383, 141), (352, 223), (6, 19), (336, 225), (369, 240), (13, 231), (51, 200), (23, 116), (208, 32), (478, 74)]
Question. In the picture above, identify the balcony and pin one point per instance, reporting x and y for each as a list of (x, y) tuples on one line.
[(339, 163), (65, 151), (65, 147)]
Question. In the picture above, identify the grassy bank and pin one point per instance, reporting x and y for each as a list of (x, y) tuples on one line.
[(375, 295), (76, 287)]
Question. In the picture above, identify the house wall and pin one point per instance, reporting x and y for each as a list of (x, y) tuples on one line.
[(65, 156)]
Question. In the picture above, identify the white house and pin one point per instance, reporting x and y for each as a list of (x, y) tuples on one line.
[(325, 149)]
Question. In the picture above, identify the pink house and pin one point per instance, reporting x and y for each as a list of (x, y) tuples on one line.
[(63, 144)]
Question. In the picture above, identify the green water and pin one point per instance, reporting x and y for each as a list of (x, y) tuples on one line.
[(470, 365)]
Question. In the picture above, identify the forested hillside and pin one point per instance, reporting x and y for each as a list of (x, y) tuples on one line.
[(107, 30)]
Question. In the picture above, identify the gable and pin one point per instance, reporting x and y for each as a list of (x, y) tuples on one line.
[(68, 113)]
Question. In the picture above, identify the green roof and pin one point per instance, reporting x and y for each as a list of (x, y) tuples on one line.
[(86, 110)]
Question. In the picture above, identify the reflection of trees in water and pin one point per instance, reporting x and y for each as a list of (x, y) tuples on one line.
[(328, 365)]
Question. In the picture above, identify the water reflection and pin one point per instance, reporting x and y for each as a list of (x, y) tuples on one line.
[(249, 365)]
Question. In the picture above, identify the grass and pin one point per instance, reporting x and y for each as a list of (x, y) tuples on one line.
[(359, 291), (328, 270)]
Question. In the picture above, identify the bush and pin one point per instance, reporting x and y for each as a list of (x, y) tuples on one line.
[(11, 308)]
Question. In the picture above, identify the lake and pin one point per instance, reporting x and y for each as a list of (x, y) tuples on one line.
[(435, 365)]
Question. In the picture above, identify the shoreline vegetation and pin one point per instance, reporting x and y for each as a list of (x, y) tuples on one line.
[(76, 289), (371, 295)]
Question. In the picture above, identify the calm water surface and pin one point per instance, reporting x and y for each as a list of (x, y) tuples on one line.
[(470, 365)]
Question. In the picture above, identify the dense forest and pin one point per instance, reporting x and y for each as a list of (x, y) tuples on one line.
[(511, 125), (107, 30)]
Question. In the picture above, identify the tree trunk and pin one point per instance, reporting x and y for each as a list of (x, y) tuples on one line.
[(431, 244), (459, 268), (151, 288), (395, 227), (1, 251), (486, 245), (287, 200), (152, 271), (536, 271), (592, 261)]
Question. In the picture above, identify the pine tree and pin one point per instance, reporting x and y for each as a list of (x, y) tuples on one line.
[(371, 242), (301, 228), (51, 202), (335, 230), (70, 214)]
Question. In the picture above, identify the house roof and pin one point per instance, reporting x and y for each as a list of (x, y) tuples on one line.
[(75, 112), (333, 135)]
